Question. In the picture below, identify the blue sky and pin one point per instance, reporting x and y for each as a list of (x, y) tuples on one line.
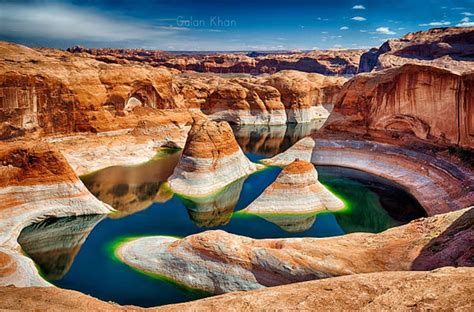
[(224, 25)]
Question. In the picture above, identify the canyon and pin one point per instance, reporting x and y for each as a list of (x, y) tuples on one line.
[(108, 133)]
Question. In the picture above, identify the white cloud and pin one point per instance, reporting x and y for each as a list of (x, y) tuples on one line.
[(66, 22), (465, 22), (363, 30), (358, 7), (358, 18), (385, 31), (344, 28), (467, 14), (468, 24), (324, 32), (441, 23)]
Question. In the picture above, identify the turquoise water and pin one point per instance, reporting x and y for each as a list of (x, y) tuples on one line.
[(148, 208)]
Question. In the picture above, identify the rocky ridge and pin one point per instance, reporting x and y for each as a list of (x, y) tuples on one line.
[(218, 262)]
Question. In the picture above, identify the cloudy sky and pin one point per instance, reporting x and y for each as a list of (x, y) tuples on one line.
[(224, 25)]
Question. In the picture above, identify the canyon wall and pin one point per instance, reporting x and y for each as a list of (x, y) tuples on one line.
[(450, 48), (430, 103), (326, 62)]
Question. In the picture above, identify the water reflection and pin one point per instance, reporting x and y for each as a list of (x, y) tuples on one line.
[(130, 189), (296, 223), (214, 210), (270, 140), (54, 243)]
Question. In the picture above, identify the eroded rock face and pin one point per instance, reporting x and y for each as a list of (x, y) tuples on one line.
[(36, 181), (328, 62), (219, 262), (375, 292), (296, 190), (52, 91), (211, 159), (439, 184), (426, 102), (287, 96), (451, 48)]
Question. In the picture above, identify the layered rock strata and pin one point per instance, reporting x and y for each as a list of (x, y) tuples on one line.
[(424, 102), (211, 159), (218, 262), (51, 92), (326, 62), (296, 190), (438, 183), (287, 96), (36, 182), (451, 48), (373, 292)]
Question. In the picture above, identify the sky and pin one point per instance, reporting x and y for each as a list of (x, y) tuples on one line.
[(219, 25)]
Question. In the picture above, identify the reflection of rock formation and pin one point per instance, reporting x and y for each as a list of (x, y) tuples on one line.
[(54, 243), (211, 160), (219, 262), (214, 210), (292, 223), (433, 180), (271, 140), (295, 191), (132, 189)]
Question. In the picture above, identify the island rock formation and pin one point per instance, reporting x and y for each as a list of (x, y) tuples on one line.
[(218, 262), (211, 160), (296, 190)]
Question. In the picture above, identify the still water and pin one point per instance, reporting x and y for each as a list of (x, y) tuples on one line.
[(77, 252)]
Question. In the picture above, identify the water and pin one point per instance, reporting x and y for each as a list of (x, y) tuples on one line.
[(77, 252)]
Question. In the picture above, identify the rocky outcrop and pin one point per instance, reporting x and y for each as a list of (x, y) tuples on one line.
[(52, 92), (374, 292), (428, 103), (326, 62), (439, 183), (287, 96), (296, 190), (36, 181), (211, 159), (450, 48), (218, 262)]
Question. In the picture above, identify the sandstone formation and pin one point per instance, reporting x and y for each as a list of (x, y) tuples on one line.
[(49, 91), (326, 62), (35, 182), (450, 48), (291, 223), (218, 262), (214, 210), (426, 102), (364, 292), (287, 96), (129, 189), (211, 160), (54, 243), (296, 190), (439, 183)]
